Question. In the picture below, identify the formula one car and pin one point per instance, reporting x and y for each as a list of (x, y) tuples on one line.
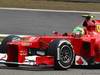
[(81, 47)]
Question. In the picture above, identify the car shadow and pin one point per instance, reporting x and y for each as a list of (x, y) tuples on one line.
[(39, 68), (86, 67), (28, 68)]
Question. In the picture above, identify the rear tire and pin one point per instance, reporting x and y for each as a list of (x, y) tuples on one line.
[(63, 54)]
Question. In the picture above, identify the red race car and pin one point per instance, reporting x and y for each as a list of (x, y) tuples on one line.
[(81, 47)]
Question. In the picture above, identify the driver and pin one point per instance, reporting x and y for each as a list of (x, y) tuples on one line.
[(88, 24), (78, 31)]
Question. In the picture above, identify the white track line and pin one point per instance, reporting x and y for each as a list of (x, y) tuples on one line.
[(5, 35), (47, 10)]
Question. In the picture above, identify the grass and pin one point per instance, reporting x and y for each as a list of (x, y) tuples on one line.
[(43, 4)]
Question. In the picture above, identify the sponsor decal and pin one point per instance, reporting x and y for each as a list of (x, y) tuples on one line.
[(98, 28)]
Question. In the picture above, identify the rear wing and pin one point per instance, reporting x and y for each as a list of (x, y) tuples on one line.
[(97, 22)]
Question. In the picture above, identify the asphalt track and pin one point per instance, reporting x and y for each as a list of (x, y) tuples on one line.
[(29, 22)]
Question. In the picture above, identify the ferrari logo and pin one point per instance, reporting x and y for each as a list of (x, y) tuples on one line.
[(98, 28)]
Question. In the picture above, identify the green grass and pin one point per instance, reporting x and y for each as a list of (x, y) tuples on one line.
[(43, 4)]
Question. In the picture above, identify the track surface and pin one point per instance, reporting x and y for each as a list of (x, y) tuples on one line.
[(47, 71), (27, 22)]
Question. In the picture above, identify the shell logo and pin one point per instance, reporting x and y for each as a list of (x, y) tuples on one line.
[(98, 28)]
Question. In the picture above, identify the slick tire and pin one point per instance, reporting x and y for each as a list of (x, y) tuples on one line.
[(3, 47), (63, 54)]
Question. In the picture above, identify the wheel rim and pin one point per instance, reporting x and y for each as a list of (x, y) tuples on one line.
[(65, 56)]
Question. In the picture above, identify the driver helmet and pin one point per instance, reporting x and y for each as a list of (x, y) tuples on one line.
[(78, 31)]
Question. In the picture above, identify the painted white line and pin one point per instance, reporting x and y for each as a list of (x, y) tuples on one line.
[(5, 35), (47, 10)]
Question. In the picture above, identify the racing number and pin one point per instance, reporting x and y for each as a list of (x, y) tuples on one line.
[(98, 28)]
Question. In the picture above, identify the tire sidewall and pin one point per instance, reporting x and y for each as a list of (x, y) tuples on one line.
[(6, 40), (54, 50), (68, 44)]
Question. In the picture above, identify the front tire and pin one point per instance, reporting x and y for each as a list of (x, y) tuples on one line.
[(4, 48), (63, 54)]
